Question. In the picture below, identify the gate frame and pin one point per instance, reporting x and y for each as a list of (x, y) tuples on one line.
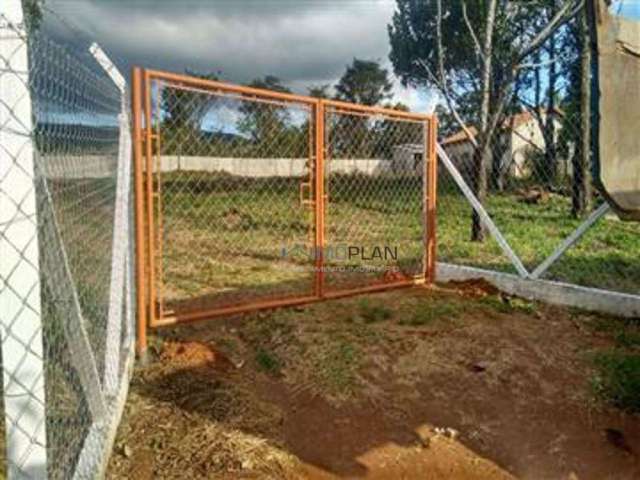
[(149, 315)]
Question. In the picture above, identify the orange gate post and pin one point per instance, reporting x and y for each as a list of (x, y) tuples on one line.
[(136, 101), (432, 193), (148, 144), (319, 198)]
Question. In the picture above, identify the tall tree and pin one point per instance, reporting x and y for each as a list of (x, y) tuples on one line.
[(546, 76), (262, 120), (182, 116), (364, 82), (319, 91), (390, 134), (270, 82), (367, 83), (186, 108), (270, 125), (446, 123), (431, 45), (581, 191)]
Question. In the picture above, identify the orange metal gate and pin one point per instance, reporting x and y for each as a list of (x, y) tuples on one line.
[(249, 198)]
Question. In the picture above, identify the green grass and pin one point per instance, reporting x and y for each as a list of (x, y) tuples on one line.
[(339, 367), (617, 369), (608, 256), (618, 378), (373, 312), (224, 233), (628, 339), (624, 331), (268, 362), (426, 313)]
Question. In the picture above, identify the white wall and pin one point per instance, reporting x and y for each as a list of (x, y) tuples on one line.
[(525, 139), (104, 166), (273, 167)]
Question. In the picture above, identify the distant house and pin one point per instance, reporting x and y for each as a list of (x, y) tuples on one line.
[(519, 139), (407, 158)]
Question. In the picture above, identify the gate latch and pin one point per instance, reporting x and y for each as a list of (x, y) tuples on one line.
[(305, 187)]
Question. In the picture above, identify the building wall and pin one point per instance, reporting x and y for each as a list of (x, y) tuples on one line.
[(408, 158), (519, 146), (273, 167), (525, 140)]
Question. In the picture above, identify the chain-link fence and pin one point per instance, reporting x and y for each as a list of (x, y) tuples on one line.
[(376, 189), (262, 198), (523, 143), (227, 174), (257, 198), (67, 308)]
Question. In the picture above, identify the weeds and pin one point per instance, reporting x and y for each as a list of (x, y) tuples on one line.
[(338, 370), (268, 362), (505, 304), (628, 339), (427, 313), (618, 378), (373, 313)]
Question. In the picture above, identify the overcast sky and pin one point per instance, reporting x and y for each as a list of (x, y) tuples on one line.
[(304, 42)]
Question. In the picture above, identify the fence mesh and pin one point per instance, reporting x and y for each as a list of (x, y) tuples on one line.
[(234, 175), (535, 179), (376, 194), (69, 152), (235, 202), (229, 171)]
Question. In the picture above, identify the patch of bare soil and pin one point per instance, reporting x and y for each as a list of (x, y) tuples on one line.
[(460, 382)]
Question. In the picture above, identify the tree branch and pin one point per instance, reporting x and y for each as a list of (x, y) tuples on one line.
[(443, 79), (450, 104), (568, 10), (476, 41)]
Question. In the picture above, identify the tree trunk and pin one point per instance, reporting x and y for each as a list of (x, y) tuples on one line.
[(483, 152), (482, 159), (499, 148), (581, 197), (549, 131), (538, 167)]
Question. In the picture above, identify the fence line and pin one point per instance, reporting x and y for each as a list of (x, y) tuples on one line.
[(557, 293), (532, 178), (67, 297), (67, 300)]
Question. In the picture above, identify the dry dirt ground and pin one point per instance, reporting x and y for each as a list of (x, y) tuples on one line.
[(456, 382)]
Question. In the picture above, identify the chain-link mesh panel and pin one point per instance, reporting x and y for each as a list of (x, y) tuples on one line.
[(375, 178), (533, 171), (454, 224), (76, 108), (605, 257), (70, 136), (232, 175)]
